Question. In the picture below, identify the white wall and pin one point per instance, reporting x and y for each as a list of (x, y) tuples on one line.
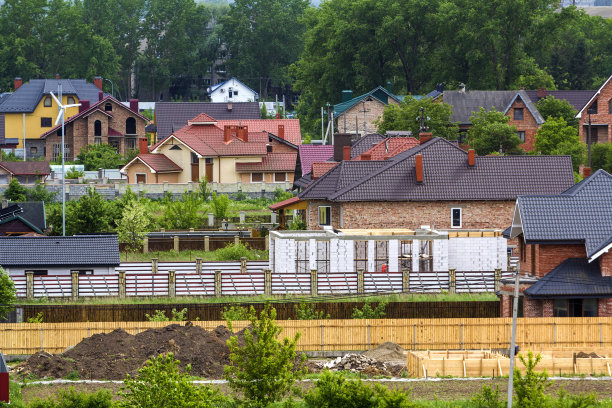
[(221, 94), (477, 254)]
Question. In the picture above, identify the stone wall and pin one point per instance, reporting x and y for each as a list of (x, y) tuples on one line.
[(352, 120)]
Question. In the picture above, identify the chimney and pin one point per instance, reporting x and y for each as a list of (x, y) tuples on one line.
[(57, 76), (425, 137), (471, 158), (243, 133), (346, 153), (143, 145), (18, 83), (227, 134), (100, 96), (541, 93), (98, 82), (84, 105), (418, 167), (586, 172), (229, 106), (389, 86), (134, 105), (341, 140), (281, 131), (347, 95), (462, 87), (366, 156)]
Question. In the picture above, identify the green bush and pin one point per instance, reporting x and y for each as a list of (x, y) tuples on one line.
[(601, 156), (36, 319), (529, 388), (73, 173), (7, 293), (160, 316), (306, 311), (367, 312), (280, 194), (72, 399), (183, 214), (233, 252), (40, 193), (488, 398), (235, 313), (15, 191), (220, 205)]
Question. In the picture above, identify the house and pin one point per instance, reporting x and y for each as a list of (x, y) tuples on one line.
[(171, 116), (26, 172), (308, 154), (23, 218), (106, 121), (222, 151), (436, 183), (357, 114), (596, 114), (565, 241), (88, 254), (30, 110), (232, 90)]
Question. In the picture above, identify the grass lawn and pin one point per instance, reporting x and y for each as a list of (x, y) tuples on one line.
[(188, 256)]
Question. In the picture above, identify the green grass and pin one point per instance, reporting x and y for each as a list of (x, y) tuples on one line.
[(185, 256)]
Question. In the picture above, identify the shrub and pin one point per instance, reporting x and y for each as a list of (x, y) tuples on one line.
[(529, 388), (264, 370), (15, 191), (183, 214), (488, 398), (160, 384), (160, 316), (220, 205), (36, 319), (72, 399), (133, 226), (305, 311), (235, 313), (7, 293), (233, 252), (367, 312), (280, 194), (73, 173), (240, 196), (40, 193), (204, 191)]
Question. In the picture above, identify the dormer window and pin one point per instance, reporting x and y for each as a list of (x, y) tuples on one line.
[(47, 103), (108, 107), (175, 147)]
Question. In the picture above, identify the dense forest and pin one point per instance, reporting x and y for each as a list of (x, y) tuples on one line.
[(148, 47)]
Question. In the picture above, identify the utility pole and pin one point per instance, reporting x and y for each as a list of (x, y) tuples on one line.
[(60, 90), (322, 124), (365, 123), (513, 341)]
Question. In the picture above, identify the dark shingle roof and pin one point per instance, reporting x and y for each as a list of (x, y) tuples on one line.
[(314, 153), (576, 98), (34, 213), (464, 103), (365, 143), (83, 250), (21, 168), (447, 176), (171, 116), (574, 277), (27, 97), (583, 213)]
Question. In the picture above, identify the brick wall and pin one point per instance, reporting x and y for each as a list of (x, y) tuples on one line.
[(605, 262), (312, 215), (532, 307), (603, 118), (374, 111), (413, 214), (527, 125), (541, 259)]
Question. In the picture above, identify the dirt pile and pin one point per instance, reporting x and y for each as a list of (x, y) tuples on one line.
[(582, 354), (362, 364), (113, 355), (387, 351)]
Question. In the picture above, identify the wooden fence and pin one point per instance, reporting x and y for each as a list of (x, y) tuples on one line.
[(284, 311), (412, 334)]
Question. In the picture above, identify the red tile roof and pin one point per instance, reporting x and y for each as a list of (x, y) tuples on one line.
[(389, 148), (20, 168), (202, 118), (159, 163), (314, 153), (292, 127), (320, 168), (113, 132), (284, 203), (271, 162)]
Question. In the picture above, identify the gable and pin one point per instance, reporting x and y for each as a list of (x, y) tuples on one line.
[(606, 86)]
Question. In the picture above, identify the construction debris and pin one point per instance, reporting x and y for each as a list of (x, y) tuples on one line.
[(362, 364)]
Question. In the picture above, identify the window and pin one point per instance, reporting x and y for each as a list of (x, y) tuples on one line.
[(175, 147), (280, 177), (361, 255), (97, 140), (40, 273), (108, 107), (456, 218), (593, 108), (130, 143), (324, 215), (194, 158), (256, 177), (59, 131), (70, 100), (610, 106), (235, 92), (130, 126), (86, 272), (269, 148), (209, 160), (575, 308), (518, 113), (57, 151), (521, 135), (381, 255), (47, 103), (97, 128), (33, 150), (45, 122)]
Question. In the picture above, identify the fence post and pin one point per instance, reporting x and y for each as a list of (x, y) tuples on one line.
[(217, 283), (206, 243), (452, 289), (121, 284), (267, 241), (314, 285), (172, 283), (267, 282), (497, 280), (176, 243), (243, 264), (211, 219), (145, 245), (406, 280), (272, 217), (29, 284), (236, 240), (75, 284), (153, 265), (359, 280), (199, 266), (242, 217)]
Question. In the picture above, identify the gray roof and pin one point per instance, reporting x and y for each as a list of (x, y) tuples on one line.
[(573, 278), (171, 116), (464, 103), (447, 176), (76, 251), (583, 213), (31, 211), (576, 98), (27, 97), (365, 143)]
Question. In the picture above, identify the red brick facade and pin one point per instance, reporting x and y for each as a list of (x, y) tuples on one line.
[(528, 124), (605, 263), (601, 122), (541, 259)]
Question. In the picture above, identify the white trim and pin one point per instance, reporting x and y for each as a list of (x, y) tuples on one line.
[(274, 180), (136, 177), (178, 140), (460, 217), (263, 177), (601, 252), (122, 171), (517, 224), (319, 215), (579, 114)]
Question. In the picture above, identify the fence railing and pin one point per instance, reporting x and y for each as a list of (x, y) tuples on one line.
[(412, 334)]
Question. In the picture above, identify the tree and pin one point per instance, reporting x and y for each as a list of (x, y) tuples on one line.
[(160, 384), (490, 133), (89, 214), (220, 204), (184, 213), (530, 388), (601, 157), (558, 108), (264, 370), (556, 137), (101, 156), (405, 116), (7, 293), (40, 193), (133, 226), (15, 191)]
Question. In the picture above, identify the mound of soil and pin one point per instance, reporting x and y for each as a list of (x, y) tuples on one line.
[(113, 355), (387, 351), (582, 354)]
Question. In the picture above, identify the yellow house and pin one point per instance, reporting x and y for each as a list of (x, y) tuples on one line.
[(30, 110)]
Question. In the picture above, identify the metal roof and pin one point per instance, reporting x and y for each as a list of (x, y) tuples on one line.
[(379, 93)]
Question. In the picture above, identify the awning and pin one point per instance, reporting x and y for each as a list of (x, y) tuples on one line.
[(293, 203)]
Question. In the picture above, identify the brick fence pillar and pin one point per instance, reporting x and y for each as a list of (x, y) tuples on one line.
[(121, 284), (206, 243), (145, 245), (75, 284), (172, 283), (452, 287), (497, 283), (243, 265), (176, 243), (29, 284), (236, 240), (406, 280), (267, 282), (198, 263), (314, 285), (360, 281), (548, 307), (218, 288)]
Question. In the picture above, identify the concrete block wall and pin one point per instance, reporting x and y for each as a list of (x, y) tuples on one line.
[(416, 248), (285, 251), (476, 254), (393, 255), (440, 254)]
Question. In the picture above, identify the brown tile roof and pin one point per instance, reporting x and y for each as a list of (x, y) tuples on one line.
[(202, 117), (320, 168), (271, 162), (292, 127), (159, 163), (284, 203), (389, 147), (21, 168)]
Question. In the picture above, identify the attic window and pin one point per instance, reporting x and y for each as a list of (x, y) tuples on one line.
[(518, 113), (108, 107), (593, 108), (47, 102), (71, 100), (175, 147), (269, 148)]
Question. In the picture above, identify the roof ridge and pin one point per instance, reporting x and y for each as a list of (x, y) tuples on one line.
[(576, 188)]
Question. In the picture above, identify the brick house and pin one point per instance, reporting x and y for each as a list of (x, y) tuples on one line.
[(25, 172), (436, 183), (565, 241), (107, 121), (350, 114), (599, 110)]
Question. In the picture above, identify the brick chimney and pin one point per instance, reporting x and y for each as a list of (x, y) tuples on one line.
[(100, 96), (340, 141), (471, 158), (424, 137), (143, 145), (243, 133), (18, 83), (541, 93), (366, 156), (229, 105), (134, 105), (57, 76), (98, 82), (227, 134), (281, 131), (84, 105), (586, 172), (346, 153), (418, 167)]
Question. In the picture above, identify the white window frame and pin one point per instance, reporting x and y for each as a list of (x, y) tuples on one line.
[(460, 217), (280, 172), (136, 177), (263, 177), (330, 215)]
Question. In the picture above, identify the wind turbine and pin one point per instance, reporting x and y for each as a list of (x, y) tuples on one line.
[(60, 116)]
